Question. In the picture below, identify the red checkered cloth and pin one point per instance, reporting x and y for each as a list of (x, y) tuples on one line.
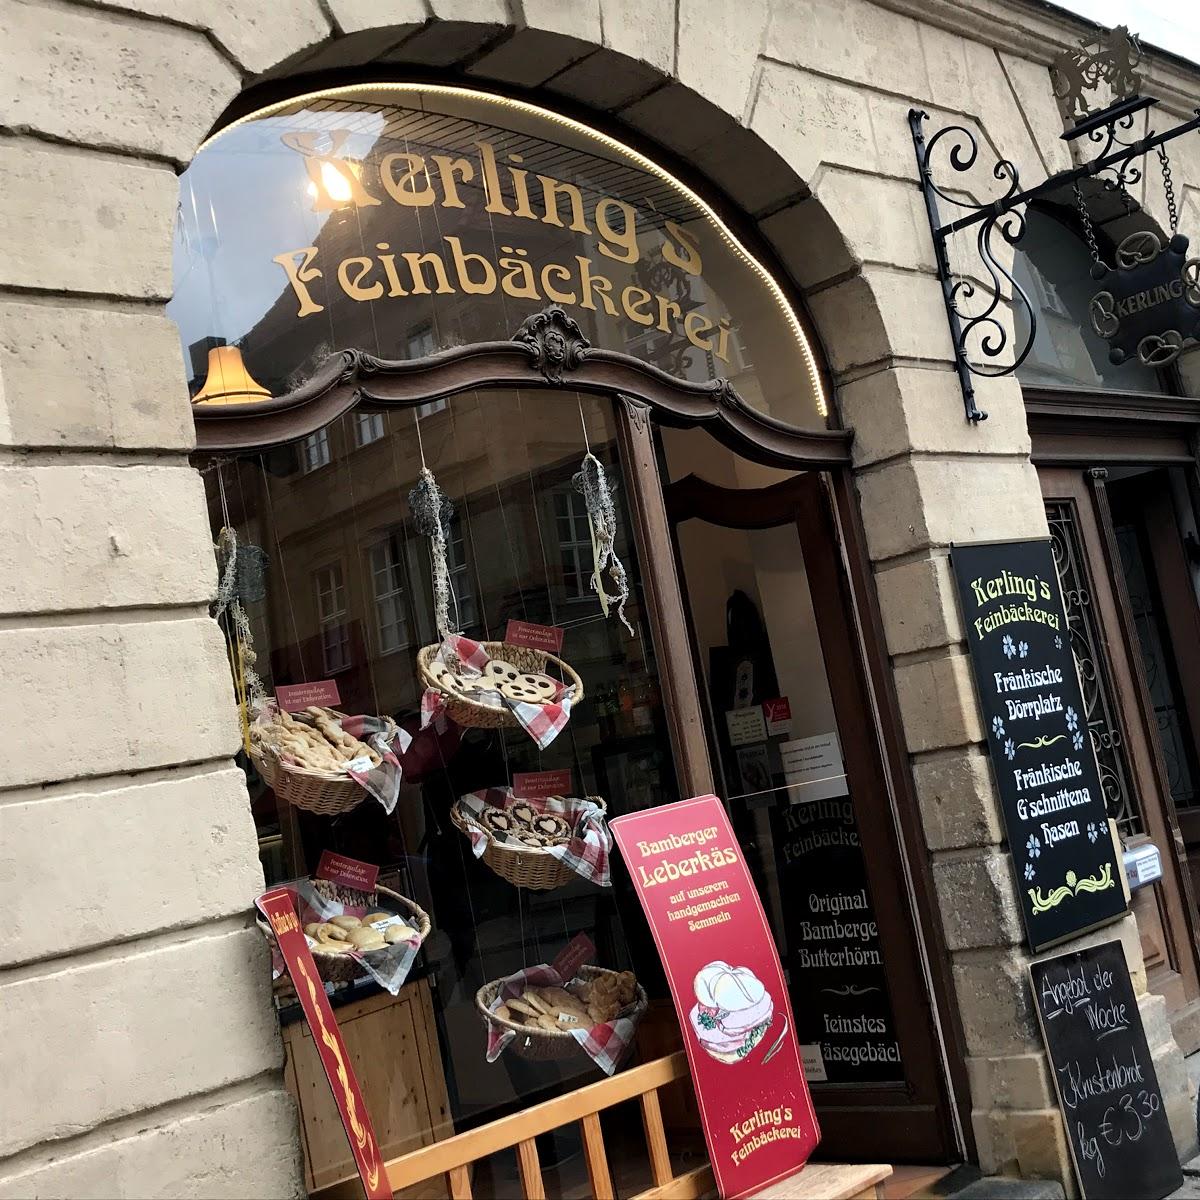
[(587, 852), (389, 967), (606, 1045), (467, 658)]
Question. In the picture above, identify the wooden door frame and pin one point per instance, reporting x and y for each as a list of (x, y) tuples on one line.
[(822, 509)]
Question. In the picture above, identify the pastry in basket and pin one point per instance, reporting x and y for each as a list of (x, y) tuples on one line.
[(498, 672), (552, 827), (581, 1005), (499, 821), (522, 813), (341, 934)]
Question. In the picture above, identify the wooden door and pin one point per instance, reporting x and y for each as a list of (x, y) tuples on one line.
[(1123, 729), (1156, 574), (901, 1112)]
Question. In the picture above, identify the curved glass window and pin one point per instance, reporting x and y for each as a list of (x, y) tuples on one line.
[(406, 219), (1052, 267)]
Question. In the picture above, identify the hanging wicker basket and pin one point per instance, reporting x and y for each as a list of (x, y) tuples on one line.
[(531, 867), (327, 793), (474, 713), (544, 1044), (341, 968)]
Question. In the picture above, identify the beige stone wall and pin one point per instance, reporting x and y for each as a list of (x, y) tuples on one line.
[(146, 1059)]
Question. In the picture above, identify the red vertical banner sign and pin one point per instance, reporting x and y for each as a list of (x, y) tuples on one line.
[(729, 991), (278, 908)]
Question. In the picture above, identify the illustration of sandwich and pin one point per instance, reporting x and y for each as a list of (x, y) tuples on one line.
[(733, 1012)]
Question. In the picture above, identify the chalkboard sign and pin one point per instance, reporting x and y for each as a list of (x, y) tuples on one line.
[(1107, 1090), (1068, 874)]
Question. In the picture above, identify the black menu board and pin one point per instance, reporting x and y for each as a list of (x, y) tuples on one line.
[(1108, 1092), (1068, 875)]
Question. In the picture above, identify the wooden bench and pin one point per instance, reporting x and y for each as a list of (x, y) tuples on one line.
[(451, 1160)]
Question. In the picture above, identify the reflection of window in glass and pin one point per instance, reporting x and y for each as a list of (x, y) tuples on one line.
[(331, 613), (460, 576), (421, 344), (574, 543), (314, 451), (387, 578), (368, 428)]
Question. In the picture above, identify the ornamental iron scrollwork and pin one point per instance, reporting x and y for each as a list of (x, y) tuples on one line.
[(555, 341), (975, 307)]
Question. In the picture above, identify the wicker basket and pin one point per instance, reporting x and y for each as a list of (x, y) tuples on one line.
[(327, 793), (473, 714), (530, 867), (341, 968), (542, 1044)]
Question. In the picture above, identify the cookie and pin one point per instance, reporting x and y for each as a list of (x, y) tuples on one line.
[(499, 672), (398, 933), (522, 693), (499, 821), (552, 827), (543, 685), (534, 840), (346, 922), (523, 814)]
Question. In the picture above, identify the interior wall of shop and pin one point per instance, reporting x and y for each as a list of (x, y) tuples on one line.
[(141, 1050)]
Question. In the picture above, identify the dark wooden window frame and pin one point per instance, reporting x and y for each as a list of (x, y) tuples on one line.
[(550, 353)]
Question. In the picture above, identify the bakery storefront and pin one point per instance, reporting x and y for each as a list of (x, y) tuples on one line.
[(515, 450)]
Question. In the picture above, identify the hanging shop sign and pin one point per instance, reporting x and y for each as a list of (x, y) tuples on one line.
[(1121, 1143), (1149, 307), (278, 908), (1068, 872), (729, 990), (400, 220)]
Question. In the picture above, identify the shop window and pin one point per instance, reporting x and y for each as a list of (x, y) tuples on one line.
[(314, 451), (368, 428), (331, 612), (387, 576), (352, 547)]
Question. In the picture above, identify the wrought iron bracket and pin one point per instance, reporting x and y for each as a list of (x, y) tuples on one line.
[(982, 331)]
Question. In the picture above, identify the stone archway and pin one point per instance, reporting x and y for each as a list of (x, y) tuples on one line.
[(94, 418)]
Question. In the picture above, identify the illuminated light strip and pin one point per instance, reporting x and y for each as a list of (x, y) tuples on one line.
[(640, 160)]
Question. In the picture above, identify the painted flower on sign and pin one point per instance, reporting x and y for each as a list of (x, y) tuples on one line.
[(1023, 649), (1010, 751), (1029, 871), (1072, 718), (1033, 846), (1008, 646), (1093, 832), (1077, 739), (997, 727)]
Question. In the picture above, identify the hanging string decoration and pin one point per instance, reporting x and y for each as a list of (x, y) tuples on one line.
[(432, 511), (592, 482), (247, 684)]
